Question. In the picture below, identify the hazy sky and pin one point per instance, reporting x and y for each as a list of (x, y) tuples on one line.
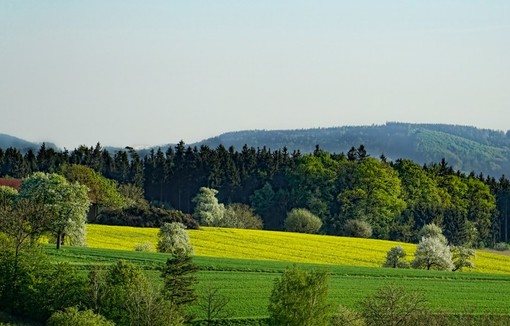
[(154, 72)]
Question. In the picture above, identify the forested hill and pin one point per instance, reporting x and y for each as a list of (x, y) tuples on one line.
[(464, 148), (7, 141)]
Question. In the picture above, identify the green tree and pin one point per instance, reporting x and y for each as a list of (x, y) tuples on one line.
[(462, 258), (102, 192), (174, 239), (395, 258), (302, 220), (73, 317), (179, 280), (371, 191), (67, 203), (208, 211), (300, 298), (130, 299)]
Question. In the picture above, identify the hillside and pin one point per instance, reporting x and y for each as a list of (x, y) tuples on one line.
[(7, 141), (465, 148)]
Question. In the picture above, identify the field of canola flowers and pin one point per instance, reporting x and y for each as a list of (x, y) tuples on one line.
[(277, 246)]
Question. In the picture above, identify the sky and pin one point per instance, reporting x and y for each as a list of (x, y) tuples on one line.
[(131, 73)]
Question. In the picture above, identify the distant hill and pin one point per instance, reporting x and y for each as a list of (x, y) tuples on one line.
[(465, 148), (7, 141)]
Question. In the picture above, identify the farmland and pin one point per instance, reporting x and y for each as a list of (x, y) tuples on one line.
[(245, 272)]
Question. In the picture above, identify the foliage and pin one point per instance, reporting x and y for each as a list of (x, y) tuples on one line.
[(145, 246), (179, 279), (73, 317), (462, 258), (300, 298), (371, 191), (303, 221), (174, 239), (432, 253), (392, 305), (144, 217), (345, 316), (432, 230), (396, 258), (240, 216), (30, 286), (101, 191), (208, 211), (501, 246), (129, 299), (66, 203), (357, 229)]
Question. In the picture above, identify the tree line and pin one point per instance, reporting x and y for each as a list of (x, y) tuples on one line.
[(346, 190)]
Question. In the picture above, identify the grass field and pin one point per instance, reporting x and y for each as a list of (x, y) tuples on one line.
[(245, 273)]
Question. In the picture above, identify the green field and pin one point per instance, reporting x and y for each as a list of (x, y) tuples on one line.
[(249, 282)]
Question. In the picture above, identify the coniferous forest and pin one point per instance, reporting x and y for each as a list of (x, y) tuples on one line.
[(396, 198)]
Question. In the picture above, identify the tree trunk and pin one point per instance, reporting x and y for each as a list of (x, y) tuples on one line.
[(58, 240)]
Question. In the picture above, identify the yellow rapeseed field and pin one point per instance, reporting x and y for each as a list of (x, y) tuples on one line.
[(280, 246)]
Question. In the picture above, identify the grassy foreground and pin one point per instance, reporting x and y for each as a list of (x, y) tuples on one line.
[(244, 264)]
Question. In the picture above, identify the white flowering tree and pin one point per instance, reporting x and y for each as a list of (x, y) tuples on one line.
[(174, 239), (208, 211), (67, 203), (432, 253)]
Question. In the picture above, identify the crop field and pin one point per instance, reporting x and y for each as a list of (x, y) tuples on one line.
[(278, 246), (243, 265)]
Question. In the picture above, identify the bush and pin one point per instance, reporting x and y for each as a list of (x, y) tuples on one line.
[(73, 317), (345, 316), (240, 216), (302, 220), (392, 305), (144, 217), (395, 258), (300, 298), (358, 229), (145, 246), (501, 246)]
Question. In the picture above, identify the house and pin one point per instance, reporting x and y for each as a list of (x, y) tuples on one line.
[(9, 182)]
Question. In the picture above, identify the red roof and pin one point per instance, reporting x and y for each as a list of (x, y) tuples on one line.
[(13, 183)]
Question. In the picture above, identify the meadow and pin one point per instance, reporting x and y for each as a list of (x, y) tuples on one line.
[(244, 264)]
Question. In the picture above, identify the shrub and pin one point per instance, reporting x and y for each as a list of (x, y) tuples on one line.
[(392, 305), (144, 217), (345, 316), (73, 317), (501, 246), (145, 246), (302, 220), (358, 229), (395, 258), (240, 216), (300, 298)]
